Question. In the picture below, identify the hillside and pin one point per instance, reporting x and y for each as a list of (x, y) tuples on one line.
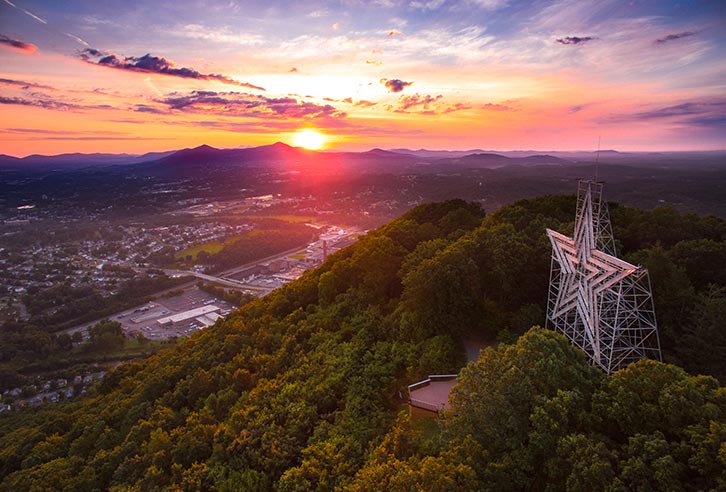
[(300, 390)]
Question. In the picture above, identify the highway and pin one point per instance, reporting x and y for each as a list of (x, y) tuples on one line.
[(210, 278), (220, 278), (217, 280)]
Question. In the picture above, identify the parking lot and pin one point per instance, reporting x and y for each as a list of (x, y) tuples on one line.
[(143, 319)]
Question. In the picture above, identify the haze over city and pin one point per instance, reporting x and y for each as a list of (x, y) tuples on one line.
[(492, 74)]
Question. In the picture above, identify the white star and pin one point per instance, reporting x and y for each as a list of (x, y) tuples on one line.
[(585, 273), (602, 303)]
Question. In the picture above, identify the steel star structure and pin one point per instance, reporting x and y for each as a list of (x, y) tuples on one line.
[(601, 303)]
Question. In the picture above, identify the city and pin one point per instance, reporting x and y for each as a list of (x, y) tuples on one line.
[(121, 253)]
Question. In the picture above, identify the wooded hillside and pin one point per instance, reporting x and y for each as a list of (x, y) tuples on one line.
[(301, 390)]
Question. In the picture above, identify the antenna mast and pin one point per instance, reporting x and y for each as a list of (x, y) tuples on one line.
[(597, 159)]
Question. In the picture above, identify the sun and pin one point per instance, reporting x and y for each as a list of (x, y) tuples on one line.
[(309, 139)]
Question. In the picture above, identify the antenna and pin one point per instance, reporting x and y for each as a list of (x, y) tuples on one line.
[(597, 159)]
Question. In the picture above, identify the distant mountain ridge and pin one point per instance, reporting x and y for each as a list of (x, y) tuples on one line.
[(278, 153), (392, 160), (77, 159)]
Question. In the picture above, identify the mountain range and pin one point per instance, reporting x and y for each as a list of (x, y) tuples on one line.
[(690, 181), (375, 160), (279, 154)]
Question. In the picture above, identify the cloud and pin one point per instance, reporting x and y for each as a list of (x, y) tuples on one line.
[(709, 121), (89, 53), (46, 134), (697, 108), (395, 85), (496, 107), (575, 39), (266, 126), (454, 107), (489, 4), (40, 103), (336, 125), (316, 14), (46, 102), (349, 100), (673, 37), (707, 113), (425, 104), (45, 131), (154, 64), (249, 105), (430, 5), (145, 108), (224, 36), (408, 102), (24, 85), (17, 44)]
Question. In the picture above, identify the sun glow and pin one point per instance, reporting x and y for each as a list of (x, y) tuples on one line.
[(309, 139)]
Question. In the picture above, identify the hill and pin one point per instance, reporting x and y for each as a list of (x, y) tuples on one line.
[(300, 389), (74, 160), (282, 157)]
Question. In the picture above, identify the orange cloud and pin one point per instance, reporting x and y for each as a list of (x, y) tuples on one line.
[(17, 44)]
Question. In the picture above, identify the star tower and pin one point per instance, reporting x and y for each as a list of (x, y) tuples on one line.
[(601, 303)]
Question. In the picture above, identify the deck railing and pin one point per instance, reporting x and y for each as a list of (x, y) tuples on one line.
[(424, 404)]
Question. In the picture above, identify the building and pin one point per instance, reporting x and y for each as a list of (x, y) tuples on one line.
[(208, 319), (187, 315), (275, 266)]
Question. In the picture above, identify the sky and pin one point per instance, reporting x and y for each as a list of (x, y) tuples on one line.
[(132, 76)]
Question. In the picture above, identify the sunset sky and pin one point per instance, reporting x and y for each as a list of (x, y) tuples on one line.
[(132, 76)]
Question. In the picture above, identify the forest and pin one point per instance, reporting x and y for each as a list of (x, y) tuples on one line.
[(303, 389), (39, 343)]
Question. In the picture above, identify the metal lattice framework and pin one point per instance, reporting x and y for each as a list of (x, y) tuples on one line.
[(601, 303)]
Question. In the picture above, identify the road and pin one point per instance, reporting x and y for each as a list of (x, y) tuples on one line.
[(221, 277), (216, 279)]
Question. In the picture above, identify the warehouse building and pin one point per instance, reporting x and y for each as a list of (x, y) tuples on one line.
[(207, 312)]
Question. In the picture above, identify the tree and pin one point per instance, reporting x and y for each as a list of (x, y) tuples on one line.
[(516, 400), (105, 335), (703, 345), (64, 341)]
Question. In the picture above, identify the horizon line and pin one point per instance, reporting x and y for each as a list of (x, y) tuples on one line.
[(393, 150)]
